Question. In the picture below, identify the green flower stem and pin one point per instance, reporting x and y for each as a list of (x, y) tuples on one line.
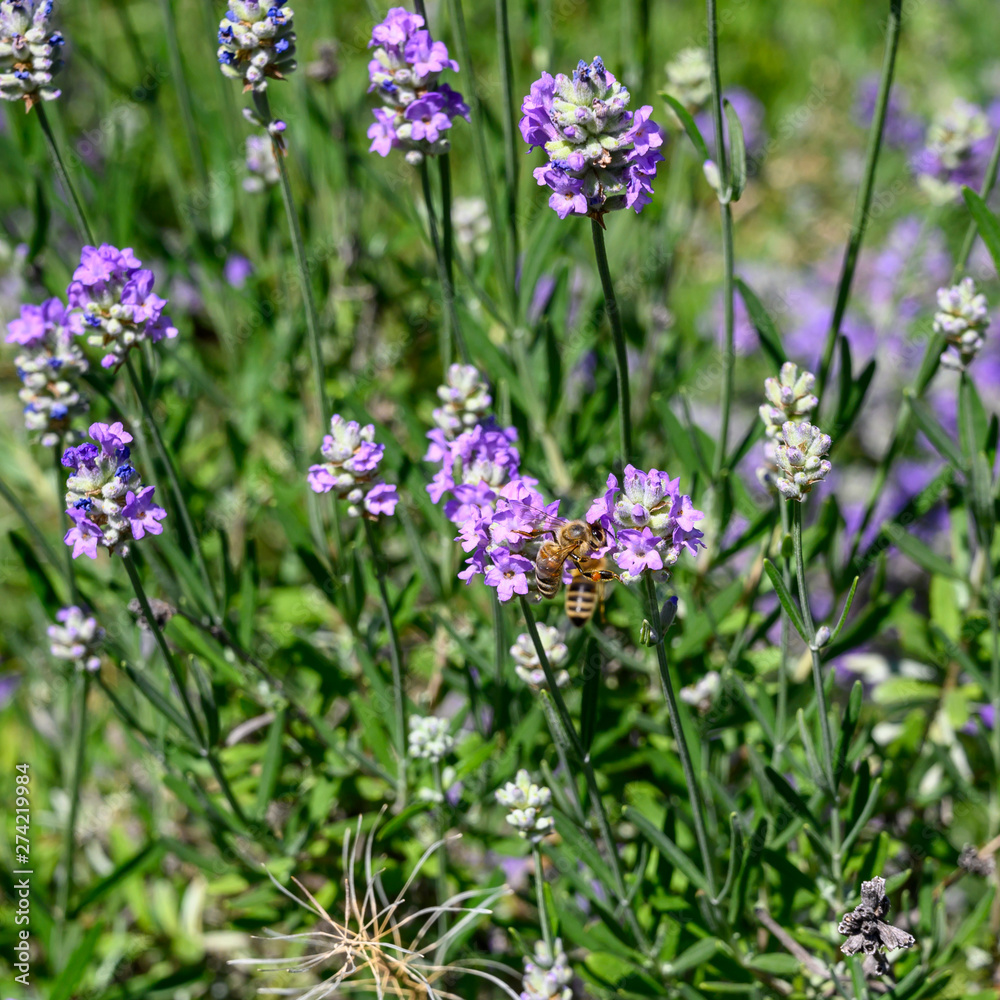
[(448, 252), (621, 356), (543, 916), (481, 147), (786, 640), (395, 658), (64, 178), (442, 852), (263, 107), (929, 363), (509, 131), (823, 709), (449, 321), (207, 752), (588, 770), (862, 206), (79, 761), (168, 656), (175, 487), (500, 655), (728, 354), (183, 93), (694, 788)]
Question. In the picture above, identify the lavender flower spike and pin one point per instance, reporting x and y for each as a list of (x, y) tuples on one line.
[(105, 497), (956, 154), (30, 54), (256, 43), (800, 459), (602, 157), (548, 975), (50, 366), (118, 308), (352, 459), (404, 72), (76, 638), (962, 318)]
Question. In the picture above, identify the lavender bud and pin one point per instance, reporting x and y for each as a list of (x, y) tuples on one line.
[(30, 54), (689, 78), (548, 975), (527, 665), (528, 804), (962, 318), (76, 638), (800, 459), (256, 43), (429, 738)]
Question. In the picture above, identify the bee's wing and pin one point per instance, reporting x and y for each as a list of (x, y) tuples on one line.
[(542, 520)]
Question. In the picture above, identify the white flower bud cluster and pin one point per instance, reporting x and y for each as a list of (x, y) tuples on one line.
[(528, 804), (548, 975), (800, 459), (528, 667), (962, 318), (465, 400), (689, 78), (702, 693), (430, 739)]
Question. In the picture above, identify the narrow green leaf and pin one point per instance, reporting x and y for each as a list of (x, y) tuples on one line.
[(785, 598), (973, 424), (159, 701), (847, 608), (737, 151), (795, 801), (751, 860), (857, 978), (37, 577), (689, 126), (967, 928), (770, 338), (865, 815), (666, 846), (812, 759), (919, 552), (695, 956), (149, 855), (735, 855), (986, 223), (78, 964), (271, 766), (935, 433)]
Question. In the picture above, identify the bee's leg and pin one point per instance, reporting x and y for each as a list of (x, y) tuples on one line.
[(597, 575)]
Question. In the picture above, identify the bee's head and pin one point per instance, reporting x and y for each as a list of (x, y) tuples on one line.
[(599, 535)]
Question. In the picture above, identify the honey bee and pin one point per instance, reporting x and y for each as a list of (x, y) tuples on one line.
[(576, 541), (583, 592)]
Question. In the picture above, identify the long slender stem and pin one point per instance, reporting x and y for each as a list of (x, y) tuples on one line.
[(175, 487), (786, 640), (395, 658), (448, 253), (863, 204), (183, 93), (509, 131), (543, 916), (168, 656), (302, 262), (722, 161), (480, 145), (929, 364), (826, 737), (588, 770), (621, 355), (79, 759), (64, 178), (500, 710), (442, 852), (673, 711)]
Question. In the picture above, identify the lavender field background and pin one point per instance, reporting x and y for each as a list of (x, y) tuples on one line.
[(316, 317)]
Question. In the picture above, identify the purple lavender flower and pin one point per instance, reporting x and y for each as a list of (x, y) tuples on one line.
[(30, 54), (419, 110), (509, 573), (649, 521), (50, 366), (256, 43), (76, 638), (352, 460), (117, 306), (956, 152), (105, 498), (236, 270), (602, 157)]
